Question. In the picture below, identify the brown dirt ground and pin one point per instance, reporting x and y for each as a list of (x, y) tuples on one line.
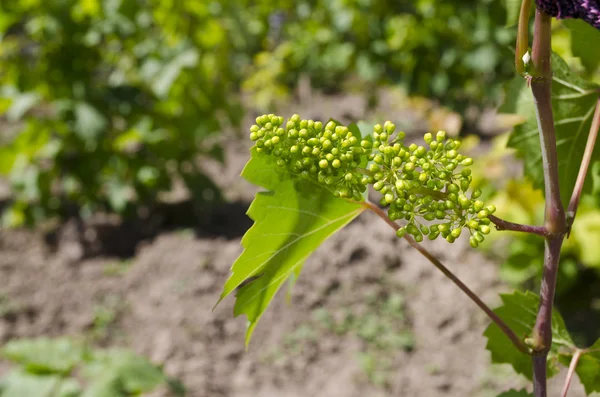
[(160, 303)]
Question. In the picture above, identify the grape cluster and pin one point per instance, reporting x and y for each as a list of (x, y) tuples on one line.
[(328, 154), (426, 186)]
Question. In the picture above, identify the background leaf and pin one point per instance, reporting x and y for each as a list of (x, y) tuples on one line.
[(584, 43), (573, 103), (291, 220), (588, 367), (44, 355), (519, 311), (20, 383)]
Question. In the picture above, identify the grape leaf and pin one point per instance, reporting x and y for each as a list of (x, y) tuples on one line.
[(519, 311), (291, 220), (516, 393), (22, 383), (573, 103), (588, 367), (584, 43), (43, 355)]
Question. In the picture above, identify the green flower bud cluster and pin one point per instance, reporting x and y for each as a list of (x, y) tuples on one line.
[(328, 154), (427, 186)]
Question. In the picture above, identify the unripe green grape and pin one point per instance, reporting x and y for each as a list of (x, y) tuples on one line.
[(401, 232), (389, 127), (378, 185), (440, 214), (366, 144), (467, 162), (451, 154), (473, 224), (400, 135), (424, 229), (337, 164), (483, 214), (433, 235), (385, 189), (429, 216), (374, 167), (450, 238), (464, 185), (463, 201), (378, 176), (484, 229), (329, 157), (484, 221), (378, 159), (478, 236), (478, 205), (383, 137), (473, 241), (456, 232), (409, 167), (491, 208), (440, 136), (419, 238), (389, 198), (253, 136), (275, 140), (316, 151), (450, 205), (323, 164), (330, 126), (428, 138)]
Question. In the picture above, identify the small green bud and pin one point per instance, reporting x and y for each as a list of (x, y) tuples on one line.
[(401, 232), (323, 164), (378, 185), (428, 138), (336, 164), (484, 229), (473, 241), (456, 232), (440, 136), (467, 162), (483, 214)]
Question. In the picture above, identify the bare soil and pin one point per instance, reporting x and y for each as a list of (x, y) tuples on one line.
[(159, 301)]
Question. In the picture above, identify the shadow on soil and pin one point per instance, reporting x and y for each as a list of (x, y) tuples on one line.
[(120, 238)]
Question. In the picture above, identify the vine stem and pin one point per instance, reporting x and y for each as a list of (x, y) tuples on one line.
[(555, 222), (522, 36), (501, 224), (585, 164), (572, 367), (519, 344)]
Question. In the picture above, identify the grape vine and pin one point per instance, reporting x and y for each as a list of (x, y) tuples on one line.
[(426, 186)]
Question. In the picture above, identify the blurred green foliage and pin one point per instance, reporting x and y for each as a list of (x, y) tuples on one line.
[(56, 367), (110, 101), (113, 99), (456, 51)]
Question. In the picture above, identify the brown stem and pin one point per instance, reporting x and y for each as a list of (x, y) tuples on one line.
[(583, 169), (501, 224), (572, 367), (555, 223), (519, 344)]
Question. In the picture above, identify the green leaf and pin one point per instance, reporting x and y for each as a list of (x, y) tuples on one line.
[(44, 355), (584, 43), (291, 220), (21, 383), (588, 367), (89, 122), (121, 370), (519, 311), (573, 103), (516, 393)]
